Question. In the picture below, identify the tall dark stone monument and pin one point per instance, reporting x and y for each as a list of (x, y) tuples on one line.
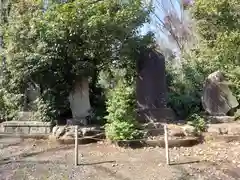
[(151, 88)]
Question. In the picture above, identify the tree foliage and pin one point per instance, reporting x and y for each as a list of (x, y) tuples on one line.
[(218, 24), (218, 49), (56, 47), (174, 26)]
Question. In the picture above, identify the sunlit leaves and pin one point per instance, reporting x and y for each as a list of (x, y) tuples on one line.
[(68, 41)]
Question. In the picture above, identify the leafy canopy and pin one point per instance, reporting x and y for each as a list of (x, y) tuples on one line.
[(218, 26), (68, 41)]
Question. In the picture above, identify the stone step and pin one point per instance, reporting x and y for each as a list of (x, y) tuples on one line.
[(221, 138), (224, 128), (25, 127), (220, 119)]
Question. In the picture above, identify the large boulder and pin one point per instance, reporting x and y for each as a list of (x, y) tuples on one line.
[(217, 97)]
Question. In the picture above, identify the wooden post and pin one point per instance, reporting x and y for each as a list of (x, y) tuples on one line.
[(166, 144), (76, 145)]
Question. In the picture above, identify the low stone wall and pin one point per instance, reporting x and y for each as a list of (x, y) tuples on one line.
[(26, 127)]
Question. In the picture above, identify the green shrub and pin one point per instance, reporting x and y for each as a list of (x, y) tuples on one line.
[(122, 130), (185, 87), (10, 105), (237, 114), (121, 118), (198, 123), (217, 49), (44, 111), (58, 47)]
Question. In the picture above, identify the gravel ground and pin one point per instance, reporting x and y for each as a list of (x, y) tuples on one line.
[(42, 160)]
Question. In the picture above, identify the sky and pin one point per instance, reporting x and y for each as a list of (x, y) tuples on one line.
[(161, 38), (161, 14)]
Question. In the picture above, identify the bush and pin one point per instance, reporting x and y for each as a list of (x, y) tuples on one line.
[(121, 119), (217, 49), (198, 123), (185, 87), (237, 114), (44, 111), (57, 47), (120, 130), (9, 105)]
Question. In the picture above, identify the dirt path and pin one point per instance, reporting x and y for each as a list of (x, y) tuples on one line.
[(40, 160)]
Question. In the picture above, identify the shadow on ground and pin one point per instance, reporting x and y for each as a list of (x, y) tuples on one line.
[(23, 155)]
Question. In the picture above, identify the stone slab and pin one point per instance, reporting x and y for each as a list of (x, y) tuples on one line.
[(220, 119), (25, 127), (224, 128), (37, 130), (9, 129), (22, 130), (155, 115), (25, 123)]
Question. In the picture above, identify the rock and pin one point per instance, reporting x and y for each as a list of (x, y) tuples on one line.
[(220, 119), (189, 130), (152, 125), (54, 130), (90, 131), (177, 132), (234, 129), (152, 129), (154, 132), (67, 133), (217, 98), (224, 128), (59, 131), (213, 129)]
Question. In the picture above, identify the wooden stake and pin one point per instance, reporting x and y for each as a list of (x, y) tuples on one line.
[(166, 144), (76, 145)]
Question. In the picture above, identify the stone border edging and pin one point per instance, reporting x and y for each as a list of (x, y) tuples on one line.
[(185, 142), (25, 136)]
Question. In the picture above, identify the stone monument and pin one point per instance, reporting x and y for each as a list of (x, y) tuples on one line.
[(79, 102), (151, 88), (32, 93), (217, 97)]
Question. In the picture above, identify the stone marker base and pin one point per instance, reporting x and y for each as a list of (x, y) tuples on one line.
[(220, 119), (155, 115), (156, 129), (224, 128), (25, 127), (25, 116), (221, 138)]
